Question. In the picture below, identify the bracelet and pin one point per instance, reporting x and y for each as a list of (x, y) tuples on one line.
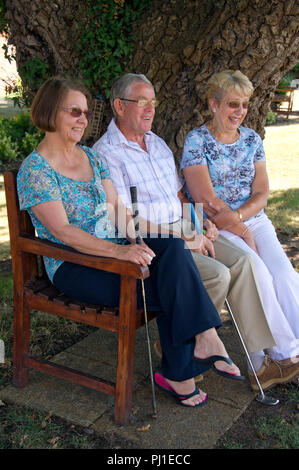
[(239, 214), (246, 230)]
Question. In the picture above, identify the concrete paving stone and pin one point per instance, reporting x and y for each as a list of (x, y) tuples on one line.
[(175, 427), (178, 427), (72, 402)]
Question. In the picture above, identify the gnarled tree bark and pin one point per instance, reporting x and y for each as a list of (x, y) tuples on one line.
[(47, 30), (179, 45)]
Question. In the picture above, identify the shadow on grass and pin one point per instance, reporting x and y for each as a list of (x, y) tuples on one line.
[(283, 210), (5, 251)]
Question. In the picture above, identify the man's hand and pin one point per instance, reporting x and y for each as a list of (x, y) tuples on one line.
[(202, 245)]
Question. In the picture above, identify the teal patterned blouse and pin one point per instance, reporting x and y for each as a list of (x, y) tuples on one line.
[(84, 202)]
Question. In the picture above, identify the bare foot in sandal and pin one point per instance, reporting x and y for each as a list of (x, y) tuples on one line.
[(207, 346), (185, 388), (185, 393)]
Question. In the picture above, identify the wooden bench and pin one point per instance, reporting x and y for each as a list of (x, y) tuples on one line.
[(33, 290), (282, 102)]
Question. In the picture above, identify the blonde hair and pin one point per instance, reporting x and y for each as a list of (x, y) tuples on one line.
[(220, 83)]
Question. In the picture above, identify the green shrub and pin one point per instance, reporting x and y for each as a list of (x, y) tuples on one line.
[(271, 118), (29, 142), (106, 42), (8, 149), (18, 137)]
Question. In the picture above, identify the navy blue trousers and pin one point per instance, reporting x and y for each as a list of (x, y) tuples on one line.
[(174, 288)]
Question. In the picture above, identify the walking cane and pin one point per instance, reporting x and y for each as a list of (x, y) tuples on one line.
[(262, 398), (133, 191)]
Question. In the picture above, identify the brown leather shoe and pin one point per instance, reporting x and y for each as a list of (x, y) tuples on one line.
[(273, 372), (158, 351)]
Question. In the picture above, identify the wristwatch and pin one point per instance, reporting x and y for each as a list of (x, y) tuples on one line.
[(239, 214)]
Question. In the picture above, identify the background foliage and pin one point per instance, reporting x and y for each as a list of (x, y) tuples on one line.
[(105, 47), (18, 137), (107, 43)]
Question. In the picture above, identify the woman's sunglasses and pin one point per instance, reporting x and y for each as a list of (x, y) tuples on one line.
[(236, 104), (77, 112)]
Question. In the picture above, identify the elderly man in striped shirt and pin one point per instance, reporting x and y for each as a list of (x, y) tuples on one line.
[(137, 157)]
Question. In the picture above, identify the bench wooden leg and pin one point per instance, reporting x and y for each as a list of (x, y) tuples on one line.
[(125, 355), (21, 342)]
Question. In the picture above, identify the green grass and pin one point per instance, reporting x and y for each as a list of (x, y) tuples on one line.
[(6, 287), (278, 432), (48, 333), (283, 210), (282, 156), (267, 427), (24, 428), (281, 431)]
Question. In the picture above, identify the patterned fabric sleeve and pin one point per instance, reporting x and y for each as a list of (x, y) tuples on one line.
[(36, 182), (194, 150), (259, 155), (101, 165)]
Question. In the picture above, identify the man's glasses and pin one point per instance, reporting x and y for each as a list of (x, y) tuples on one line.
[(236, 104), (142, 102), (77, 112)]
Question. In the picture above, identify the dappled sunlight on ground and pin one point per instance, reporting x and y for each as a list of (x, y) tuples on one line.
[(282, 156)]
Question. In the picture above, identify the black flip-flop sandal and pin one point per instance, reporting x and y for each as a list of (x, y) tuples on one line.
[(179, 398), (211, 361)]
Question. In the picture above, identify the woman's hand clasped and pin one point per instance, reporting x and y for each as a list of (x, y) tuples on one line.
[(211, 230), (139, 254)]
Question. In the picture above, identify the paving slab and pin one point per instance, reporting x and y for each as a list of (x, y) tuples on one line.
[(175, 427)]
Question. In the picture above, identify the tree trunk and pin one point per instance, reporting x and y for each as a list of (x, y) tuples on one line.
[(179, 45), (46, 30)]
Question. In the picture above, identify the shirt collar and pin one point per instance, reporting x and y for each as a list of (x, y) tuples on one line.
[(116, 137)]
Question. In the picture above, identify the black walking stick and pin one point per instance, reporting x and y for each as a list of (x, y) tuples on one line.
[(262, 398), (133, 191)]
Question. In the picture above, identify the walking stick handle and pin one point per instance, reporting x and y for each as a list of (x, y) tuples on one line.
[(133, 191)]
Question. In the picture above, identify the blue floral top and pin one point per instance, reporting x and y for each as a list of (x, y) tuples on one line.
[(231, 166), (84, 202)]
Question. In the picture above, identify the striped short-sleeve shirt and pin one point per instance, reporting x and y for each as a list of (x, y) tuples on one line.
[(153, 172)]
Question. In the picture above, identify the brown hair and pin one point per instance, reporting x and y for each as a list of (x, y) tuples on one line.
[(48, 99)]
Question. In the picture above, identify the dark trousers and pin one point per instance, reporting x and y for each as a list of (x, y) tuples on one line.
[(174, 288)]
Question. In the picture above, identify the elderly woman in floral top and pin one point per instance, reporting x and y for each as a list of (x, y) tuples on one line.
[(69, 195), (224, 168)]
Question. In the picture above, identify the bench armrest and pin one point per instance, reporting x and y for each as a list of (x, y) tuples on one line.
[(38, 246)]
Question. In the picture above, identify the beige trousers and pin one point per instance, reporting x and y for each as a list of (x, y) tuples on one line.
[(231, 275)]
